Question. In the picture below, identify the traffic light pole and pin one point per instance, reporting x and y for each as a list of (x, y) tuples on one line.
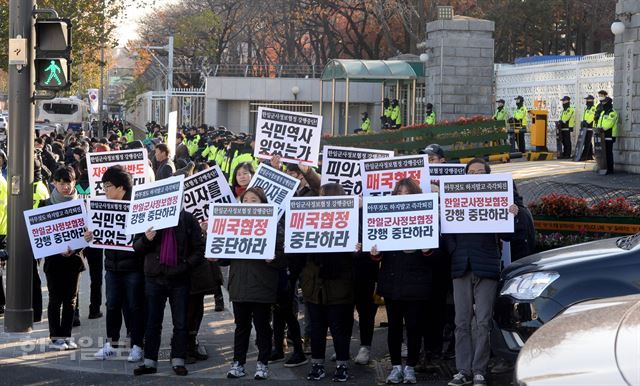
[(19, 312)]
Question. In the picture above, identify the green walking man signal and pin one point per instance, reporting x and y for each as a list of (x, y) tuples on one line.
[(53, 70)]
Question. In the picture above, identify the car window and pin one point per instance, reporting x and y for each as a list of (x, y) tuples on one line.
[(628, 242)]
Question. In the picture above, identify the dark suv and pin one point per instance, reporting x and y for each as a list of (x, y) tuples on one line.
[(535, 289)]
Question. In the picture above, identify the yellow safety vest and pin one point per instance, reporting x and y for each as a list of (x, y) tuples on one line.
[(430, 119), (521, 114), (609, 122), (589, 115), (569, 117)]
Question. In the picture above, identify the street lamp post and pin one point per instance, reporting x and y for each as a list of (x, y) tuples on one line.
[(167, 99)]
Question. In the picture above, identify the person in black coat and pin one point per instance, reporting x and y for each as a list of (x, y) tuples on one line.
[(404, 281), (124, 278), (169, 256), (62, 270), (475, 269)]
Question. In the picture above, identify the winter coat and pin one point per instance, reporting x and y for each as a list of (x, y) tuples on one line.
[(190, 250), (479, 253), (327, 278), (405, 276)]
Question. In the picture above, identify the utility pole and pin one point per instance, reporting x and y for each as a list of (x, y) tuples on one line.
[(101, 92), (19, 312), (167, 103)]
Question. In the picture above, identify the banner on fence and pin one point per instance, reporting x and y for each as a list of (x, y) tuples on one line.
[(55, 228), (404, 222), (156, 205), (322, 224), (342, 165), (107, 220), (379, 176), (476, 203), (134, 161), (293, 136), (242, 231), (278, 186), (204, 188)]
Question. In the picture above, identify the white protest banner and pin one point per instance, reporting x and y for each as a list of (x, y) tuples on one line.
[(242, 231), (156, 205), (278, 186), (322, 224), (476, 203), (134, 161), (404, 222), (204, 188), (107, 220), (341, 165), (379, 176), (437, 170), (293, 136), (55, 228)]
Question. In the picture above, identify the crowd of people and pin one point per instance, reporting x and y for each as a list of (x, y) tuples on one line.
[(169, 264)]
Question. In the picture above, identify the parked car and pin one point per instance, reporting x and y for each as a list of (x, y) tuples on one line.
[(536, 289), (591, 343)]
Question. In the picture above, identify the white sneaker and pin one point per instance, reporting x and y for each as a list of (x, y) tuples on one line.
[(236, 371), (395, 376), (135, 355), (404, 352), (409, 375), (262, 371), (59, 344), (105, 352), (364, 356), (71, 345)]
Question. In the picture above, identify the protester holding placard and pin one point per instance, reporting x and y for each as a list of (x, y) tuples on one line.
[(475, 268), (327, 285), (242, 175), (253, 286), (124, 278), (62, 270), (169, 255), (404, 282)]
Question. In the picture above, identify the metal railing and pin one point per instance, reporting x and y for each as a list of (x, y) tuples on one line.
[(266, 71)]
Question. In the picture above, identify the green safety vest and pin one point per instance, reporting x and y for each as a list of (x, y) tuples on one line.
[(366, 125), (569, 116), (40, 193), (388, 111), (396, 116), (192, 145), (430, 119), (609, 122), (3, 205), (589, 115), (129, 135), (500, 115), (119, 133), (521, 114)]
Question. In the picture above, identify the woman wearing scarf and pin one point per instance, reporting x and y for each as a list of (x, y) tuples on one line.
[(62, 270), (170, 254)]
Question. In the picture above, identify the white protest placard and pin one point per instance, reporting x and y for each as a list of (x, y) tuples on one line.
[(172, 132), (293, 136), (379, 176), (406, 222), (106, 221), (278, 186), (322, 224), (134, 161), (476, 203), (204, 188), (341, 165), (438, 170), (156, 205), (55, 228), (242, 231)]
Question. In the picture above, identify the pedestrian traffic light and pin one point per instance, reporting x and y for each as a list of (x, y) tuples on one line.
[(53, 54)]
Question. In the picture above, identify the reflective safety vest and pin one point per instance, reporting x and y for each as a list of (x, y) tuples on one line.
[(387, 111), (589, 115), (500, 115), (366, 125), (569, 117), (609, 122), (430, 119), (210, 153), (129, 135), (40, 193), (396, 116), (192, 145), (3, 205), (521, 114)]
